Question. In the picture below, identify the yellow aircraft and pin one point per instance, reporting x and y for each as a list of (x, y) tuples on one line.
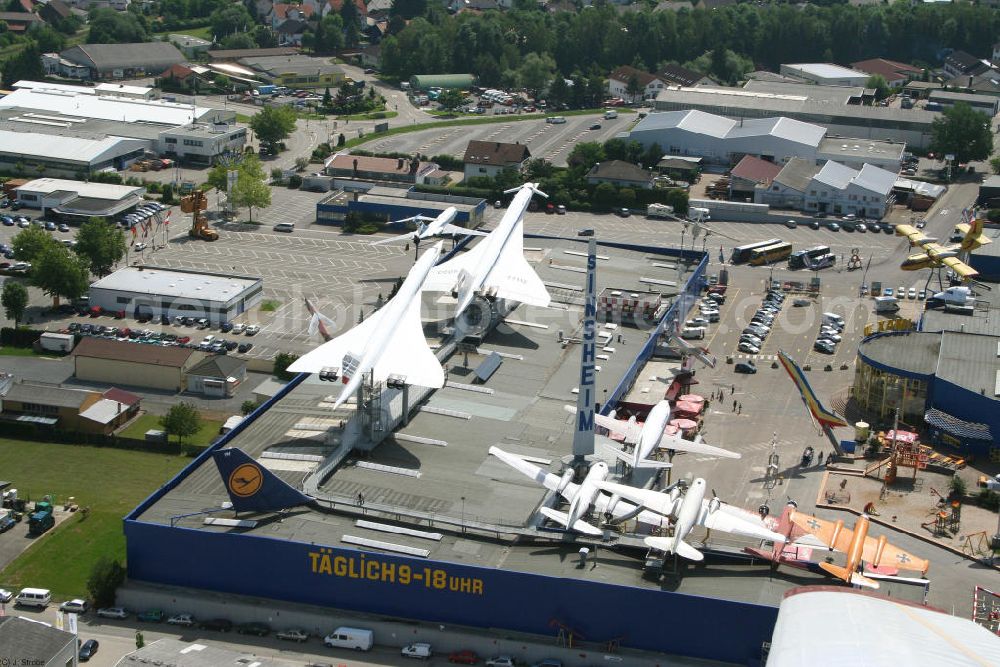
[(934, 254), (858, 546)]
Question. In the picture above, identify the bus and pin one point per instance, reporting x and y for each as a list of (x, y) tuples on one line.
[(802, 259), (823, 261), (770, 254), (742, 253)]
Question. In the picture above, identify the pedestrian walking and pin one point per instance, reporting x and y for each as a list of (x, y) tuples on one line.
[(361, 500), (739, 409), (734, 406), (821, 458)]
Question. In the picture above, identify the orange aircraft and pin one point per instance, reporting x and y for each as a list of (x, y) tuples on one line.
[(858, 546)]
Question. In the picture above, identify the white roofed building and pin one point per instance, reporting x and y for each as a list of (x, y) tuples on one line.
[(826, 74), (724, 141), (66, 156), (832, 188)]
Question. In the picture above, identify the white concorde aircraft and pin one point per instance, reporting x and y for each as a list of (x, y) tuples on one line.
[(389, 343), (431, 227)]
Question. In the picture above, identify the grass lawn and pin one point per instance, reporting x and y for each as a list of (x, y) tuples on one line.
[(204, 32), (242, 118), (17, 351), (111, 482), (371, 115), (208, 432)]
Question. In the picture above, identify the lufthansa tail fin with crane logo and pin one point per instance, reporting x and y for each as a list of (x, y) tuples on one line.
[(252, 487)]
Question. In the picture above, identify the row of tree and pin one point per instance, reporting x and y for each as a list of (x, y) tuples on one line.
[(495, 45)]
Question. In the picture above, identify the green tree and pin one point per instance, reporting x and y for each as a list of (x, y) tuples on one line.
[(14, 299), (633, 88), (238, 40), (265, 36), (248, 406), (105, 577), (26, 64), (48, 39), (558, 93), (352, 17), (246, 164), (101, 244), (408, 9), (60, 273), (273, 124), (536, 71), (28, 244), (963, 132), (282, 361), (585, 155), (881, 86), (229, 19), (108, 26), (252, 193), (450, 99), (995, 165), (327, 97), (182, 420), (605, 196)]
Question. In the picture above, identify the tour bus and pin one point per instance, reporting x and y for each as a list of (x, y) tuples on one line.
[(742, 253), (801, 259), (770, 254)]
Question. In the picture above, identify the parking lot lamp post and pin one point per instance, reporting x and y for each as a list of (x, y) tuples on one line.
[(463, 514)]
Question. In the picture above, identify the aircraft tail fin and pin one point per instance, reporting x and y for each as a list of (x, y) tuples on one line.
[(974, 236), (684, 550), (851, 577), (252, 487), (822, 415), (579, 525)]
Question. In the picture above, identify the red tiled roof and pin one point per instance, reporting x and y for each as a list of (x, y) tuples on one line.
[(281, 9), (890, 70), (754, 169), (178, 72), (336, 6), (121, 396), (626, 72)]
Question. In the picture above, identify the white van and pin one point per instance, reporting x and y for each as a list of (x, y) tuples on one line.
[(693, 332), (834, 319), (420, 650), (354, 638), (34, 597), (886, 304), (610, 114)]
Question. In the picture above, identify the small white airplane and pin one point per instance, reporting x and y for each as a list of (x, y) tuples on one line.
[(581, 496), (692, 509), (650, 436), (389, 343), (431, 227), (495, 266)]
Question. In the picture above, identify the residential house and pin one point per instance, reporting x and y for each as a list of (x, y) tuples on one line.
[(649, 84), (290, 32), (371, 56), (335, 6), (620, 173), (788, 189), (179, 73), (749, 173), (379, 169), (896, 74), (379, 9), (282, 12), (46, 645), (489, 158), (134, 364), (54, 11), (56, 65), (960, 63), (675, 75), (20, 22)]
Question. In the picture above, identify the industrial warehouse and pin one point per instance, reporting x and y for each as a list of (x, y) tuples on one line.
[(74, 130)]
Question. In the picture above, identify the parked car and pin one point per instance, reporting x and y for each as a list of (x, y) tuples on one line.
[(746, 367), (226, 327), (64, 227), (912, 293), (623, 212), (887, 291), (5, 595), (465, 657), (814, 224), (88, 649), (749, 348), (183, 620), (139, 247), (150, 616), (252, 330), (113, 612), (293, 635), (74, 606), (595, 126), (922, 294), (501, 661), (245, 347), (254, 628), (217, 624), (833, 227), (6, 522), (791, 224), (825, 347), (419, 650), (238, 327)]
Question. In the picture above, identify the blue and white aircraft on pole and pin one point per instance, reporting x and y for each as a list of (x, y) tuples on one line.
[(431, 227), (495, 267), (389, 343)]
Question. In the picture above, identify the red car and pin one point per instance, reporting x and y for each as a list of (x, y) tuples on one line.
[(465, 657)]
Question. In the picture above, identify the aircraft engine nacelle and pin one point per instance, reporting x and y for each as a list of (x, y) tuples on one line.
[(612, 503), (882, 540), (329, 374), (567, 479)]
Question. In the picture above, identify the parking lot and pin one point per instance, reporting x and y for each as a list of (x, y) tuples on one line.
[(551, 141)]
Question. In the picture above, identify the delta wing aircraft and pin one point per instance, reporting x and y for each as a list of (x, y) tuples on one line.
[(430, 227)]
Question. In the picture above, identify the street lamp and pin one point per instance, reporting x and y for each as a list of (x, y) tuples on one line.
[(463, 514)]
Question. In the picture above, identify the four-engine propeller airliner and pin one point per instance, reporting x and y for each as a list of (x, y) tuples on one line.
[(430, 227), (495, 267), (389, 342), (651, 435), (691, 509)]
